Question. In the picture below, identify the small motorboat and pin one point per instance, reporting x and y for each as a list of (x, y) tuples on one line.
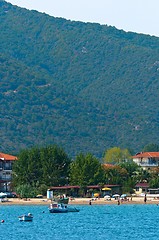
[(57, 208), (26, 217), (61, 208), (72, 209)]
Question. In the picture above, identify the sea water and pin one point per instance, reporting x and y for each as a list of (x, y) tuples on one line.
[(93, 222)]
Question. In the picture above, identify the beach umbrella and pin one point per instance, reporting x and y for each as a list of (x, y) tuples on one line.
[(106, 196), (96, 194), (39, 196), (116, 195), (128, 194), (106, 189), (123, 195)]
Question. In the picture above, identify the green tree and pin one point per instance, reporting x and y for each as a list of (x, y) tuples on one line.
[(128, 185), (116, 155), (47, 166), (55, 166), (27, 170), (114, 174), (154, 178), (154, 182), (130, 167), (151, 147), (86, 170), (143, 175), (25, 191), (130, 181)]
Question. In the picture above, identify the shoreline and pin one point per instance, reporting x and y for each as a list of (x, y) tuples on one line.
[(79, 201)]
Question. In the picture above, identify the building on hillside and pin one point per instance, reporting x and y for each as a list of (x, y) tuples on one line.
[(6, 163), (147, 160)]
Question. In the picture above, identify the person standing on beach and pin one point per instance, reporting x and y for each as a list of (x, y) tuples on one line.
[(145, 198)]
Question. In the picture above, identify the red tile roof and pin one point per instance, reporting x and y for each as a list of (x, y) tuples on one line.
[(144, 185), (98, 186), (64, 187), (78, 187), (108, 165), (147, 154), (7, 157)]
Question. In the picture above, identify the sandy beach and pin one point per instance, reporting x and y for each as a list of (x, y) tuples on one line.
[(77, 201)]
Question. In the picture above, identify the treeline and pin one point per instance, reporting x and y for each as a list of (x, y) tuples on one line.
[(38, 169)]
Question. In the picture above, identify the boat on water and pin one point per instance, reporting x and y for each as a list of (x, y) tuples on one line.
[(26, 217), (61, 208)]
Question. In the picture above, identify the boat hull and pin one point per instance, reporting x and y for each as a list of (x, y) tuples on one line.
[(56, 210), (73, 210), (61, 208), (26, 218)]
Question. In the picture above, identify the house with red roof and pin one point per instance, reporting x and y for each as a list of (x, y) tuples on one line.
[(6, 163), (141, 187), (147, 160)]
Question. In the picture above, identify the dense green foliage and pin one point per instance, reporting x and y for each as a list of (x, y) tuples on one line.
[(84, 86), (115, 174), (86, 170), (41, 168), (38, 169), (26, 190), (116, 155)]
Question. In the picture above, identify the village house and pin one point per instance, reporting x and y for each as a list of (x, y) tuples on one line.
[(6, 163), (141, 187), (147, 160)]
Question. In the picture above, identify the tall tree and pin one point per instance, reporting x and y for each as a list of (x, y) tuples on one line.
[(55, 165), (130, 166), (114, 174), (27, 169), (116, 155), (47, 165), (86, 170)]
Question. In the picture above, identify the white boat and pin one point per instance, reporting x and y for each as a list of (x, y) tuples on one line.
[(61, 208), (72, 209), (26, 217)]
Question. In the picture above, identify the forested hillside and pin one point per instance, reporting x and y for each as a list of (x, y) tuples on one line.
[(83, 86)]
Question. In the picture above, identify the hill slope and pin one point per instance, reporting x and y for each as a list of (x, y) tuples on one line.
[(84, 86)]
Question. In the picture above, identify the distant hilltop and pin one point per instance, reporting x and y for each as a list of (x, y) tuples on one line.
[(84, 86)]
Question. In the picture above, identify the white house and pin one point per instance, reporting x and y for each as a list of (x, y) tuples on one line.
[(6, 162), (147, 160)]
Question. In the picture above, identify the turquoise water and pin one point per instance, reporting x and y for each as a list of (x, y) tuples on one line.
[(92, 222)]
